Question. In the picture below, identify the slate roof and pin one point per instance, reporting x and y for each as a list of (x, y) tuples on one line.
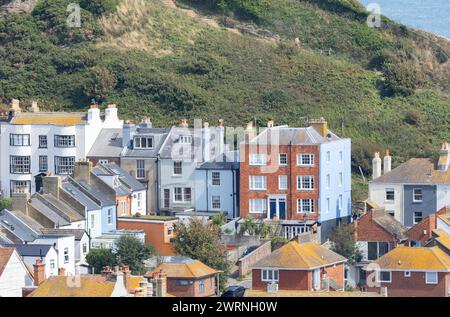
[(415, 171), (32, 249), (94, 191), (77, 233), (107, 144), (19, 225), (173, 149), (111, 169), (305, 256), (418, 258), (90, 286), (81, 197), (285, 135), (5, 255), (159, 136), (183, 267), (54, 209), (219, 166), (391, 225)]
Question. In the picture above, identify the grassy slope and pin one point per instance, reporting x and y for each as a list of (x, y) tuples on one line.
[(168, 65)]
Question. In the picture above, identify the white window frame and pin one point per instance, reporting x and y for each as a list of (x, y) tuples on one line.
[(177, 168), (407, 274), (285, 158), (110, 216), (301, 158), (301, 206), (328, 181), (215, 202), (140, 169), (340, 202), (43, 142), (257, 180), (92, 221), (270, 275), (139, 144), (19, 139), (328, 157), (184, 192), (43, 167), (139, 200), (123, 206), (427, 281), (215, 178), (185, 139), (64, 141), (341, 157), (257, 202), (66, 255), (282, 180), (19, 164), (328, 206), (305, 179), (414, 217), (414, 195), (64, 165), (341, 179), (386, 194), (258, 159)]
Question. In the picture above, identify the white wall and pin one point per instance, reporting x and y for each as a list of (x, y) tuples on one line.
[(51, 255), (135, 208), (14, 277), (95, 230), (377, 193), (61, 244), (443, 196)]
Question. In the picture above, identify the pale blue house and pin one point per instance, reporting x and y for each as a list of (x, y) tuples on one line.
[(335, 185), (216, 188)]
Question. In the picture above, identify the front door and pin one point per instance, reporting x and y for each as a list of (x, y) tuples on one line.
[(273, 208), (282, 208), (166, 202), (316, 279)]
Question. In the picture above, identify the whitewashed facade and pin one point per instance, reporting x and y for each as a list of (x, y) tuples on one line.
[(14, 277)]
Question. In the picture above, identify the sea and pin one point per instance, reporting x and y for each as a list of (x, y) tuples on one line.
[(428, 15)]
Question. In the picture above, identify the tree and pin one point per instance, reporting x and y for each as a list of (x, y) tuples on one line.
[(132, 252), (99, 7), (343, 242), (5, 203), (99, 258), (100, 84), (201, 241), (253, 227), (220, 219)]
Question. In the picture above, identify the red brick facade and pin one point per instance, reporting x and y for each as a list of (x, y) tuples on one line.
[(415, 286), (423, 230), (193, 289), (368, 230), (300, 280), (272, 171)]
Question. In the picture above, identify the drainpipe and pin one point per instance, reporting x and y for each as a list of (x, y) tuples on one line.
[(290, 181), (207, 190), (158, 182), (233, 173)]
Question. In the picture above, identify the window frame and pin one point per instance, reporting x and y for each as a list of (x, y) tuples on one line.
[(427, 281), (213, 201), (414, 217), (270, 275), (414, 195), (285, 177), (285, 158), (252, 204), (20, 167), (40, 140), (300, 182), (20, 138), (43, 170), (140, 169), (301, 156), (177, 168), (66, 255), (68, 168), (257, 159), (386, 194), (252, 182), (300, 206), (215, 178), (58, 138), (379, 275), (138, 145)]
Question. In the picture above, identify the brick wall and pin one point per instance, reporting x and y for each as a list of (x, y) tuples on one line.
[(368, 230), (415, 285), (288, 280), (192, 290), (422, 231), (336, 273), (246, 262), (292, 171)]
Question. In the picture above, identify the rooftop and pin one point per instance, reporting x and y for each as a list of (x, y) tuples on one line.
[(150, 218), (107, 144), (417, 258), (19, 225), (33, 250), (159, 136), (305, 256), (89, 286), (415, 171), (50, 118), (183, 267), (77, 233), (5, 255), (293, 293)]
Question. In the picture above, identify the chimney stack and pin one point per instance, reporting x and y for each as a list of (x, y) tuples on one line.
[(270, 123), (82, 170), (444, 157), (250, 132), (161, 284), (39, 272), (20, 201), (146, 122), (51, 185), (376, 166), (62, 271), (184, 123), (111, 114), (387, 162), (126, 276), (206, 142), (34, 107), (93, 116), (106, 272), (320, 125), (128, 131)]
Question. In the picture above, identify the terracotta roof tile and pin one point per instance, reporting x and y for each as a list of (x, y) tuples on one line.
[(90, 286), (419, 258), (191, 269), (52, 118)]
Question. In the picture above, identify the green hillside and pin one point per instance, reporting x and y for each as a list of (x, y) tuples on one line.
[(390, 87)]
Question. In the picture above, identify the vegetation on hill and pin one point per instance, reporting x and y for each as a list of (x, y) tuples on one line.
[(389, 87)]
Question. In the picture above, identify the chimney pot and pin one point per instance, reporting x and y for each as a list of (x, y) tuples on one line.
[(39, 272), (184, 123), (376, 166), (270, 123), (320, 125)]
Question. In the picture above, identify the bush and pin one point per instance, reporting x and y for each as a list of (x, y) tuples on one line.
[(5, 203), (99, 7), (402, 78)]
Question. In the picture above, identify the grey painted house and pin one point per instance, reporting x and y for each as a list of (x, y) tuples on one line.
[(139, 157)]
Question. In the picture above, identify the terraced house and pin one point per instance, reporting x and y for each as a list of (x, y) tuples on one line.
[(299, 176), (413, 190), (34, 142)]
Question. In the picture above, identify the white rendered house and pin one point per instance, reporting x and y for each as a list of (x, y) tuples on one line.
[(34, 142)]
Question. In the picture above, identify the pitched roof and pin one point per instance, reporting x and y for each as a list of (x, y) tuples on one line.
[(81, 197), (391, 225), (107, 144), (89, 286), (183, 267), (54, 209), (445, 218), (284, 135), (51, 118), (32, 249), (17, 226), (305, 256), (417, 258), (5, 255), (94, 191), (127, 183), (159, 136), (442, 238), (415, 171), (77, 233)]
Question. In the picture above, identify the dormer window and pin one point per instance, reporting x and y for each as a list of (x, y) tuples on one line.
[(142, 142), (185, 139)]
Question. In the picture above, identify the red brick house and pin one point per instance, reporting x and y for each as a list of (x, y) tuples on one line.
[(376, 233), (280, 179), (411, 272), (422, 233), (187, 277), (302, 267)]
